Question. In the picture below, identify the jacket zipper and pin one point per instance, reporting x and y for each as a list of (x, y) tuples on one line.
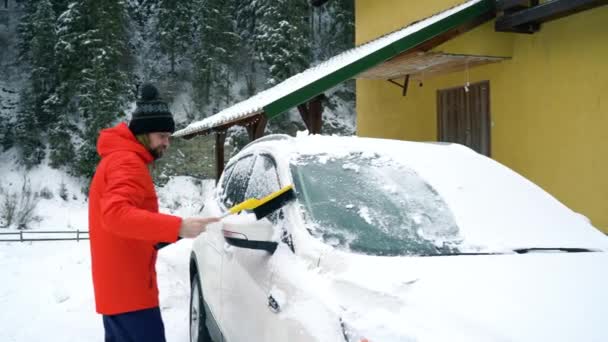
[(150, 267)]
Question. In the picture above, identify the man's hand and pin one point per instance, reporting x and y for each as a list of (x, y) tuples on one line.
[(192, 226)]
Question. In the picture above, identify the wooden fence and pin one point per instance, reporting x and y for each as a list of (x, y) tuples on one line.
[(44, 235)]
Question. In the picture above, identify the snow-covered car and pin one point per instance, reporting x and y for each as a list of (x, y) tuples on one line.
[(393, 241)]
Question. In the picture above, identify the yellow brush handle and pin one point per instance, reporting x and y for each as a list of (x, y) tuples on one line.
[(245, 205), (252, 203)]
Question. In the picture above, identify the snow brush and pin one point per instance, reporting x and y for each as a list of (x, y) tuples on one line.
[(260, 207), (265, 206)]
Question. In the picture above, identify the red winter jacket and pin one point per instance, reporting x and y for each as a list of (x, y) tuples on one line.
[(124, 225)]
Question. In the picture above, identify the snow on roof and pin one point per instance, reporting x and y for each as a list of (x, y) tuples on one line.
[(256, 104)]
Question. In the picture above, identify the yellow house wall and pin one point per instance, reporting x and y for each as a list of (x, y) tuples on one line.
[(549, 103)]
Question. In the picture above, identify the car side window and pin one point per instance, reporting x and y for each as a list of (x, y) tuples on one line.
[(237, 184), (264, 178), (224, 182), (264, 181)]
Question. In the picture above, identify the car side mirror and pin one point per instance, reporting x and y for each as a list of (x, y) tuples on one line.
[(248, 232)]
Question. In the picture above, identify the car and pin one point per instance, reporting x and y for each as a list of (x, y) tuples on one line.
[(391, 240)]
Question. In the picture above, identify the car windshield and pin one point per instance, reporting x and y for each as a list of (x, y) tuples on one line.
[(369, 204)]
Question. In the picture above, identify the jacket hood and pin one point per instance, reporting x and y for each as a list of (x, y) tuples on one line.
[(120, 138)]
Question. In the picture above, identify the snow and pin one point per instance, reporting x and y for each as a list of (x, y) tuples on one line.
[(365, 215), (54, 213), (536, 297), (46, 291), (255, 105)]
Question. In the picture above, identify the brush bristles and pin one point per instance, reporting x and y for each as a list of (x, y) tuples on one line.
[(274, 204)]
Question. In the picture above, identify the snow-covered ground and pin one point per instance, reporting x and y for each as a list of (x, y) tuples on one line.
[(46, 291)]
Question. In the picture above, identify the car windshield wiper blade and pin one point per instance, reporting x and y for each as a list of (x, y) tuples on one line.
[(553, 249), (461, 253)]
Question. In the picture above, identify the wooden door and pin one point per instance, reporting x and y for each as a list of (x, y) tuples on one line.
[(464, 116)]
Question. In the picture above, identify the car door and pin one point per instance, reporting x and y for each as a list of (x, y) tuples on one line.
[(231, 188), (208, 249), (245, 273)]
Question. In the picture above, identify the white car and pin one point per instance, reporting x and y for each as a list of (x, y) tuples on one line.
[(393, 241)]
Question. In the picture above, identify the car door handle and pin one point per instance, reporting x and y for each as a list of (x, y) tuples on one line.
[(273, 305)]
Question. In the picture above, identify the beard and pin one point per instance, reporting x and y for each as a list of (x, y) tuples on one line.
[(158, 152)]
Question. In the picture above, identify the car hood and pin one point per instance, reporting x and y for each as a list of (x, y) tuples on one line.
[(530, 297)]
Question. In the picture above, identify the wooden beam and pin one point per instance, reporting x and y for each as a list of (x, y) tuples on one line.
[(316, 114), (312, 114), (303, 109), (542, 13), (224, 127), (256, 129), (220, 139), (403, 86), (512, 5)]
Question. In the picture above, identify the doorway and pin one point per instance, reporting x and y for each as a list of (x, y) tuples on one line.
[(463, 116)]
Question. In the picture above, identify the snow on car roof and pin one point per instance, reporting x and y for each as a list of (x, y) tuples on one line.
[(255, 105), (493, 205)]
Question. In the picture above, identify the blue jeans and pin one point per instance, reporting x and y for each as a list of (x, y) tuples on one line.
[(137, 326)]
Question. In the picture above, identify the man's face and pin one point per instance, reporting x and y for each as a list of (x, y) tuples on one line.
[(159, 142)]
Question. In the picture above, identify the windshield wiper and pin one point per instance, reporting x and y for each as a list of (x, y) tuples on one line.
[(460, 253), (552, 249)]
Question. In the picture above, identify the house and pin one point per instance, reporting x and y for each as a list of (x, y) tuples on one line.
[(542, 110), (523, 82)]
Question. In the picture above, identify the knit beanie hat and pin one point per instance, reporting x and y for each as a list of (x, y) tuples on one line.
[(151, 113)]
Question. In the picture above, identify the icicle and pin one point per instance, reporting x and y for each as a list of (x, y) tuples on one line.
[(466, 68)]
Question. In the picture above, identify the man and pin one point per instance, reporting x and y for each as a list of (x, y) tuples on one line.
[(125, 223)]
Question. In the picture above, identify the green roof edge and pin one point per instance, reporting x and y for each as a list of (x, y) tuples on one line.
[(408, 42)]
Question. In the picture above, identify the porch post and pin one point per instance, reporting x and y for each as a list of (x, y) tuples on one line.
[(220, 138), (256, 129), (312, 114)]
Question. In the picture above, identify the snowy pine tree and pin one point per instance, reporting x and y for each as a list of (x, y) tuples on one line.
[(94, 73), (247, 62), (334, 28), (214, 57), (37, 56), (282, 37), (176, 28)]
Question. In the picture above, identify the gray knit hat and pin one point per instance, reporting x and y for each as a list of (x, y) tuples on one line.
[(151, 113)]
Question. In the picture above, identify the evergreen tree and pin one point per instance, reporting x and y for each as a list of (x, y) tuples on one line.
[(38, 59), (247, 61), (42, 60), (94, 71), (282, 37), (176, 29), (28, 132), (25, 28), (216, 48), (336, 34)]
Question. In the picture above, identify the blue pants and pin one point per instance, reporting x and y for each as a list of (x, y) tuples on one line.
[(137, 326)]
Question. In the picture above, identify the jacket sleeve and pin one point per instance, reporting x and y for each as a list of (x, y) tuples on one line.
[(122, 200)]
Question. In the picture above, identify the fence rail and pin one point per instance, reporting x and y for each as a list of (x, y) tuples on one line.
[(45, 235)]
